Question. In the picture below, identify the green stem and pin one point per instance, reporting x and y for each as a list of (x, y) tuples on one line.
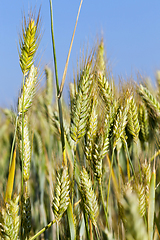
[(74, 169), (14, 138), (23, 92), (57, 231), (43, 230), (101, 194), (90, 229), (130, 160), (109, 182), (57, 85), (86, 225), (22, 133)]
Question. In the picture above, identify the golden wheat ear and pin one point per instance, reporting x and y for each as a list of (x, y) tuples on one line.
[(28, 41)]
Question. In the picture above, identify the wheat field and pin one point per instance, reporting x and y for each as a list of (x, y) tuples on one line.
[(84, 170)]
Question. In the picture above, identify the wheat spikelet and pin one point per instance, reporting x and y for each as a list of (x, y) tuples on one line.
[(100, 149), (121, 122), (90, 132), (26, 212), (28, 43), (133, 123), (49, 86), (150, 100), (80, 104), (61, 196), (27, 147), (146, 173), (88, 196), (134, 225), (144, 123), (29, 91), (105, 91), (100, 61), (142, 199), (9, 219)]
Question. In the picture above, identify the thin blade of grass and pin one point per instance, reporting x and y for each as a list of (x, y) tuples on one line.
[(70, 48), (151, 205), (71, 222)]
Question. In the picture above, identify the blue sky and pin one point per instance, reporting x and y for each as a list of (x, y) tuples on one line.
[(131, 31)]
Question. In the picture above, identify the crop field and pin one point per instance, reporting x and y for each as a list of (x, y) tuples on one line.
[(84, 170)]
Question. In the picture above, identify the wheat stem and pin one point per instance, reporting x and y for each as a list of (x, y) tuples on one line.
[(109, 183), (22, 133), (74, 167), (101, 193), (126, 147), (57, 85), (43, 230)]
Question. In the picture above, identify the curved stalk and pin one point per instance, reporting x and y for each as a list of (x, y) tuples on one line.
[(57, 85)]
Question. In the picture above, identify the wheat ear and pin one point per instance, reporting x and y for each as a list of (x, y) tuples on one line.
[(134, 225), (28, 42), (121, 122), (61, 196), (133, 123), (88, 196), (150, 100), (28, 91), (9, 219), (25, 213), (90, 132), (80, 104), (101, 145), (26, 155)]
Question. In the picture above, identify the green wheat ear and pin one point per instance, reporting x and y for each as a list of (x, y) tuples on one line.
[(28, 42), (49, 86), (80, 104), (61, 196), (27, 147), (100, 147), (26, 212), (150, 100), (144, 123), (133, 123), (100, 65), (89, 197), (9, 219), (29, 91), (134, 225), (90, 132), (121, 122)]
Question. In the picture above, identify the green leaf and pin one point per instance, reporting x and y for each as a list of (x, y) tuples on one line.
[(71, 222)]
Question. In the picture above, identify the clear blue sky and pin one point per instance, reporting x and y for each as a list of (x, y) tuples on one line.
[(131, 31)]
